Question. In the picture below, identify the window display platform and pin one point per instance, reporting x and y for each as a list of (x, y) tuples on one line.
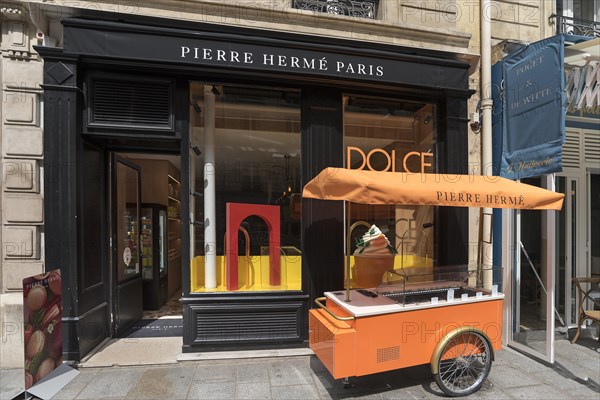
[(253, 272)]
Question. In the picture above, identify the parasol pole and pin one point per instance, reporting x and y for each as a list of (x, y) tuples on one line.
[(348, 246)]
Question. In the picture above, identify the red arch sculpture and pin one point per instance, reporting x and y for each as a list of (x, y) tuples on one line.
[(235, 214)]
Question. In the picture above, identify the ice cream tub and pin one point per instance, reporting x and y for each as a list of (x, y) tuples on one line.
[(369, 269)]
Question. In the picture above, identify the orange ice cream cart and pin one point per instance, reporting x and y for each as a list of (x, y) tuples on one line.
[(445, 316)]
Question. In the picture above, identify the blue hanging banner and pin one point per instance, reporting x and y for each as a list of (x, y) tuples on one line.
[(533, 110)]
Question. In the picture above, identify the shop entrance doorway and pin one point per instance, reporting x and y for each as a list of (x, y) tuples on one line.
[(143, 257), (530, 289), (593, 248), (125, 243), (578, 234), (145, 210), (570, 230)]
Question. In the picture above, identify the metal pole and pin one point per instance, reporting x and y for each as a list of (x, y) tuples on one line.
[(210, 231)]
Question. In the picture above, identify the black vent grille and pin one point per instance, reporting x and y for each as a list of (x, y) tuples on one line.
[(146, 104), (250, 326)]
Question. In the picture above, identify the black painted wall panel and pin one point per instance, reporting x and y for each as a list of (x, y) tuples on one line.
[(60, 185), (453, 230), (322, 221)]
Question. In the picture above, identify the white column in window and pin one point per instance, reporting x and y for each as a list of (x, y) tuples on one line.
[(210, 231)]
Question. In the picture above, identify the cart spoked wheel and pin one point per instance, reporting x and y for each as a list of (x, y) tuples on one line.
[(464, 363)]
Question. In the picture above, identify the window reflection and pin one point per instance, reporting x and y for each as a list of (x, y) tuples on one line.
[(383, 134)]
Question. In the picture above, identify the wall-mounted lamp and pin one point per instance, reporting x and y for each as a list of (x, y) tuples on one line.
[(196, 150), (427, 120), (475, 122), (215, 91)]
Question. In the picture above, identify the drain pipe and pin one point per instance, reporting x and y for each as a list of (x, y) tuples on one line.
[(486, 131)]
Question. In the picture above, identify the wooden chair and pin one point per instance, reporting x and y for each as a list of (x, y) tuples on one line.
[(584, 295)]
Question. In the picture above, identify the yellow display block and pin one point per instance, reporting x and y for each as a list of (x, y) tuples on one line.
[(253, 273)]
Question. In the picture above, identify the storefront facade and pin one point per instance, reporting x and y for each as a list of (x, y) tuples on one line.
[(266, 112), (106, 119)]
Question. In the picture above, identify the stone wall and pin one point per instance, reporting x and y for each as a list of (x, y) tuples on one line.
[(22, 196)]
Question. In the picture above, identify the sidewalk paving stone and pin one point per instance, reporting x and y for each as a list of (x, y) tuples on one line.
[(254, 390), (217, 390), (293, 392), (163, 383), (75, 387), (415, 393), (218, 372), (583, 393), (253, 372), (555, 378), (11, 382), (292, 372), (537, 392), (506, 376), (110, 384)]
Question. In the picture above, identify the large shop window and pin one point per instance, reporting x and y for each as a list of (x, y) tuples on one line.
[(383, 134), (245, 177)]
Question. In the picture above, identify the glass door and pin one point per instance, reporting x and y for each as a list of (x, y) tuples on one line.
[(570, 250), (593, 229), (530, 296), (127, 288)]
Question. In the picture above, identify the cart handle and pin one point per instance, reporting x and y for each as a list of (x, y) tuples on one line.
[(324, 307)]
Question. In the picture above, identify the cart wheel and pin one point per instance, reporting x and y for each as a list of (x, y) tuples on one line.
[(464, 363)]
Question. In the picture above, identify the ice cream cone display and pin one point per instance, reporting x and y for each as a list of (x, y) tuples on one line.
[(373, 256)]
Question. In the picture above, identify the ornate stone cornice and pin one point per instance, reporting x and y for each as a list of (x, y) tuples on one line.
[(15, 33), (11, 11), (281, 16)]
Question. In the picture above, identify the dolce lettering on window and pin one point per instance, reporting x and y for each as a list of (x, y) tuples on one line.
[(390, 165), (284, 61)]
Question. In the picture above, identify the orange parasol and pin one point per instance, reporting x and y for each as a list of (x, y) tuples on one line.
[(374, 187)]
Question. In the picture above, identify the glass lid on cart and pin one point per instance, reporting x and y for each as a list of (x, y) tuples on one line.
[(452, 283)]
